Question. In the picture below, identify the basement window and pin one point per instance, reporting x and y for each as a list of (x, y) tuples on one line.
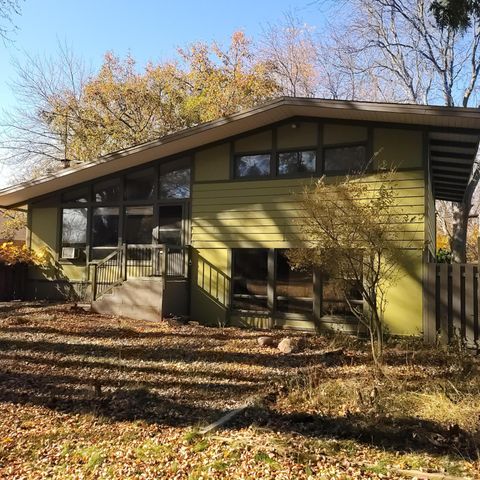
[(252, 166), (293, 288), (74, 233), (250, 273)]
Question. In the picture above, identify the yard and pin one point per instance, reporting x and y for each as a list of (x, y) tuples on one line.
[(89, 396)]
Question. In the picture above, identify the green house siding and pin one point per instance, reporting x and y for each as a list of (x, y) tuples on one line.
[(265, 214), (53, 280), (228, 214)]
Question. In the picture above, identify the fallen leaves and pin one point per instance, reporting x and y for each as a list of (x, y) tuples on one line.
[(89, 396)]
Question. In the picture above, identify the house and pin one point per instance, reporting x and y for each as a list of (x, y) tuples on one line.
[(196, 223)]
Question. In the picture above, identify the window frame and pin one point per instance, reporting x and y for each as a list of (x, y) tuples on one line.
[(272, 311), (185, 160), (339, 172), (237, 155), (308, 174)]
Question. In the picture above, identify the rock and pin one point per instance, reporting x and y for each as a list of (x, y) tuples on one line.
[(267, 342), (288, 345)]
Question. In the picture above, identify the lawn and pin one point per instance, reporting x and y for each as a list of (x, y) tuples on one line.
[(89, 396)]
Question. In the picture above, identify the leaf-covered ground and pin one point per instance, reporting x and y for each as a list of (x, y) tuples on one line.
[(90, 396)]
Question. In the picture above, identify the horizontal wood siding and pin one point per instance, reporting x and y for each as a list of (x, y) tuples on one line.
[(266, 213)]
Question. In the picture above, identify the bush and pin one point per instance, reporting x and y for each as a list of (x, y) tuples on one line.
[(11, 254)]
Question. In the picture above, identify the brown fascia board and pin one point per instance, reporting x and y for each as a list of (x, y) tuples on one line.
[(217, 130)]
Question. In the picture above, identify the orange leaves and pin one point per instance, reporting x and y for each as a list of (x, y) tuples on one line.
[(10, 254)]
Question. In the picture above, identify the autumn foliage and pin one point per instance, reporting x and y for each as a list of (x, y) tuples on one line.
[(11, 254)]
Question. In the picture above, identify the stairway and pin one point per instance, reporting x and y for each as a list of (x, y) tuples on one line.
[(138, 298)]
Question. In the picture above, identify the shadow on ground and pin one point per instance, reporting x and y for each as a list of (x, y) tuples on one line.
[(176, 376)]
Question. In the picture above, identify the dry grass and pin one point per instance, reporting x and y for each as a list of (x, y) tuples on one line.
[(88, 396)]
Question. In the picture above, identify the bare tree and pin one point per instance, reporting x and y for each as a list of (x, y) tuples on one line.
[(28, 140), (290, 49), (8, 10), (347, 242), (402, 45)]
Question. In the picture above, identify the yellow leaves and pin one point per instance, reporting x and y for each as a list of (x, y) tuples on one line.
[(10, 254)]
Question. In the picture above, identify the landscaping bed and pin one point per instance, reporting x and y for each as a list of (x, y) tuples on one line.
[(89, 396)]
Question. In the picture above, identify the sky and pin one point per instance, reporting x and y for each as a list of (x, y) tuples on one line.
[(147, 29)]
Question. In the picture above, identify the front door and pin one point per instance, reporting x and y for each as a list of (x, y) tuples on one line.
[(139, 222), (171, 234)]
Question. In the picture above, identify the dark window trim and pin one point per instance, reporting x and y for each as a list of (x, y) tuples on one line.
[(313, 173), (340, 172), (250, 154), (314, 316)]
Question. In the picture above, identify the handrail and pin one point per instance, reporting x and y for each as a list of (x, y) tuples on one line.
[(134, 261), (108, 272)]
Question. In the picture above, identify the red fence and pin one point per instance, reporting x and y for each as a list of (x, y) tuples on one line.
[(13, 280)]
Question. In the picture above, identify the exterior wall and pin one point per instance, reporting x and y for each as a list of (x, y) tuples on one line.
[(54, 280), (264, 214)]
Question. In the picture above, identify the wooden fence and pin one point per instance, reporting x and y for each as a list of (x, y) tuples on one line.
[(452, 304), (13, 281)]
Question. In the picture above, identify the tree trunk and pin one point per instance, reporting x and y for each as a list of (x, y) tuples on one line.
[(459, 239), (461, 211)]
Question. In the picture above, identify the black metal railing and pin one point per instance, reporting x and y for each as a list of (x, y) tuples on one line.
[(108, 272), (133, 261)]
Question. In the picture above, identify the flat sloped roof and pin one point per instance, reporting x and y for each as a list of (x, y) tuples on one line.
[(436, 118)]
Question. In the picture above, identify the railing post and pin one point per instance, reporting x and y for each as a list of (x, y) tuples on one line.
[(94, 282), (164, 261), (124, 262)]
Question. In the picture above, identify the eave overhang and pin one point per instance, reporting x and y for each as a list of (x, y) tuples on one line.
[(454, 134)]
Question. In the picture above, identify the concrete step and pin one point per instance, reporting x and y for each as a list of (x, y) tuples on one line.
[(137, 298), (136, 312), (131, 296)]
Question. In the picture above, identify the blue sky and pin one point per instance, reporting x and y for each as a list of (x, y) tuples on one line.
[(147, 29)]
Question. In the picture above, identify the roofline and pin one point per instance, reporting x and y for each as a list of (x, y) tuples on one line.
[(285, 101)]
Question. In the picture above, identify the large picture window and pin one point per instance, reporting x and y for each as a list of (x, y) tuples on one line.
[(252, 165), (74, 233), (345, 159), (296, 163), (139, 225), (294, 288), (250, 274), (105, 227)]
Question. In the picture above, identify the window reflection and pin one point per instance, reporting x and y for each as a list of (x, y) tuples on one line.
[(140, 185), (294, 288), (291, 163), (107, 191), (250, 273), (252, 165), (139, 225)]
